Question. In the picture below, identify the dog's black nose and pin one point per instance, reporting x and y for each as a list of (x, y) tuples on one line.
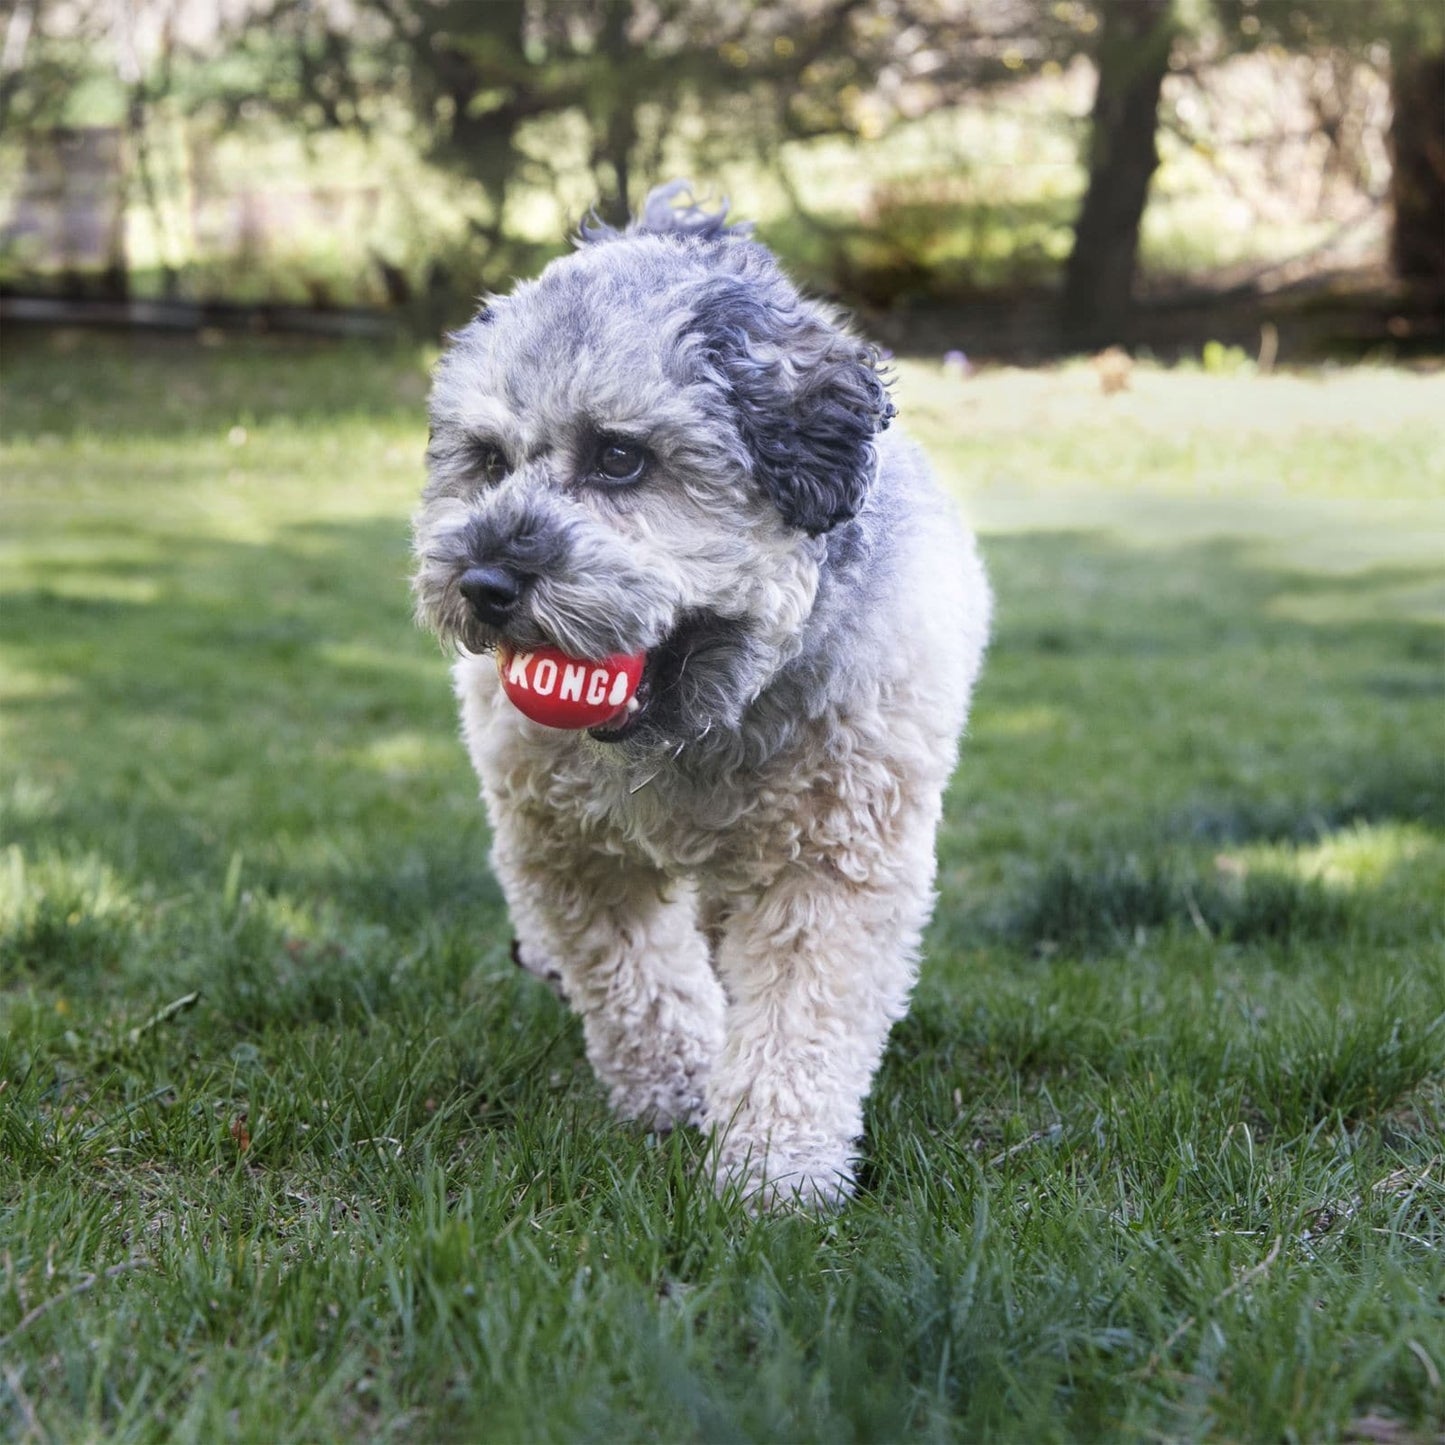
[(492, 591)]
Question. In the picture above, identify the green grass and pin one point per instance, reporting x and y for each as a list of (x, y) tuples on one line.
[(1157, 1155)]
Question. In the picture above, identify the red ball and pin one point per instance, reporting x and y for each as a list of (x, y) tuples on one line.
[(559, 691)]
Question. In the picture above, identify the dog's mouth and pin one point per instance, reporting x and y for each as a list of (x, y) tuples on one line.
[(688, 684), (685, 687), (631, 716), (659, 705)]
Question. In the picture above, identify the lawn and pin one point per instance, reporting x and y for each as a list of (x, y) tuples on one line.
[(289, 1150)]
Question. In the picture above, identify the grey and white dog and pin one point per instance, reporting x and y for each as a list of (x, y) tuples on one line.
[(659, 446)]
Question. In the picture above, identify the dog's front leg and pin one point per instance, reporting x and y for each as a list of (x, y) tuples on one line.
[(624, 943), (816, 970)]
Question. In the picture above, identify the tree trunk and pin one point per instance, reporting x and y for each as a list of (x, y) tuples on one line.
[(487, 55), (1417, 183), (1133, 59), (614, 116)]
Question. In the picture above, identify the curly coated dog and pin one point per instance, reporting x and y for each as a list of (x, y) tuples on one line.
[(660, 449)]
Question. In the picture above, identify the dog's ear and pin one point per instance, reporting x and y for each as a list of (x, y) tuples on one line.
[(807, 398)]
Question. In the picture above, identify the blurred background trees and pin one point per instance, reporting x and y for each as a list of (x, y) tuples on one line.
[(1069, 160)]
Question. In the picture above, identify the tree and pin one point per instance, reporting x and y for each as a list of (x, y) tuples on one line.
[(748, 75), (477, 86), (472, 75), (1132, 57), (1417, 184), (1414, 33), (1135, 39)]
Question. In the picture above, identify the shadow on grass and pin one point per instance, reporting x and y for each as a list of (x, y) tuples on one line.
[(274, 704), (245, 778), (1143, 705)]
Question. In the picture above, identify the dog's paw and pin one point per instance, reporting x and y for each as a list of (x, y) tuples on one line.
[(657, 1107), (668, 1092), (774, 1183), (655, 1060)]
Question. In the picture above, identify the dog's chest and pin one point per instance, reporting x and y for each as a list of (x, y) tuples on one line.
[(677, 825), (737, 831)]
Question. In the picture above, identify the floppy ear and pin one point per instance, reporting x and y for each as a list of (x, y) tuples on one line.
[(807, 399)]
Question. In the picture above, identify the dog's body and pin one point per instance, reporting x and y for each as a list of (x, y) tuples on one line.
[(730, 885)]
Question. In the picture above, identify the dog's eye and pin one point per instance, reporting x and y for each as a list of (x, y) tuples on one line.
[(621, 461), (490, 461)]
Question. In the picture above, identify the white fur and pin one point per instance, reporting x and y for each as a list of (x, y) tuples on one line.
[(732, 896), (813, 874)]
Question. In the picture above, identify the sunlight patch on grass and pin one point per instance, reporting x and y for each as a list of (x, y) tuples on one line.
[(405, 755), (1274, 896), (1166, 462), (421, 663), (1365, 855), (93, 585), (1020, 722), (1176, 402), (27, 684), (59, 914)]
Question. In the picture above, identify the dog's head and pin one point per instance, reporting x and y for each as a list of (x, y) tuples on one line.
[(640, 451)]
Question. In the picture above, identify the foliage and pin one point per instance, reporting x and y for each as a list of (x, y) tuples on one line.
[(1155, 1155), (44, 67), (495, 94), (1317, 24), (416, 151), (471, 78)]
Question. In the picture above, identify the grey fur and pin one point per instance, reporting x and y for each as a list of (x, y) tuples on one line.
[(814, 618)]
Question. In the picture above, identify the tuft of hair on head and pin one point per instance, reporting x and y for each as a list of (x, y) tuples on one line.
[(659, 216)]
